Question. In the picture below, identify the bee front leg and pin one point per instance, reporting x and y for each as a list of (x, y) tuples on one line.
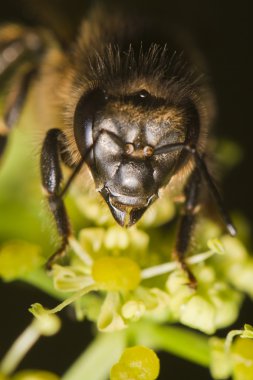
[(51, 174), (187, 222)]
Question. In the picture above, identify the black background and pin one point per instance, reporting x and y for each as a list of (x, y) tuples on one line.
[(223, 32)]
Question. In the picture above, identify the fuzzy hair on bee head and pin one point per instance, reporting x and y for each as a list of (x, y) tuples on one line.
[(113, 53), (122, 67), (121, 56)]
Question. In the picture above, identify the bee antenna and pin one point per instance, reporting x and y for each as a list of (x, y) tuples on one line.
[(201, 166), (77, 169), (71, 177), (86, 155)]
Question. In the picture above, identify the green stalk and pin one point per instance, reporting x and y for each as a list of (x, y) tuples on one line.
[(96, 361), (175, 340), (19, 349)]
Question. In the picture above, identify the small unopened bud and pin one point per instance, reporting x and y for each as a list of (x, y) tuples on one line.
[(46, 323), (136, 363)]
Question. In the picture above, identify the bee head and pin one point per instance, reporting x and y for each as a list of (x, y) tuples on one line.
[(122, 135)]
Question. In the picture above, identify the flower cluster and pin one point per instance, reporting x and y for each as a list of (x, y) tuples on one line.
[(126, 275), (126, 281)]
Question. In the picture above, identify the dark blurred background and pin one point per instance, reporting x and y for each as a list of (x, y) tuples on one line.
[(223, 31)]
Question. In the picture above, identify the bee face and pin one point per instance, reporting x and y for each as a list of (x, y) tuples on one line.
[(124, 101), (124, 133)]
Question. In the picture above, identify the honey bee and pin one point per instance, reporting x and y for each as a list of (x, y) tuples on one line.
[(126, 102)]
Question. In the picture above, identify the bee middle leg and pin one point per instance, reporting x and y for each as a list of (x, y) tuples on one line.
[(187, 222), (14, 104), (20, 48)]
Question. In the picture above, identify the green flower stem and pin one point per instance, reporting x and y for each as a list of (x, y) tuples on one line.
[(176, 340), (84, 256), (229, 339), (74, 298), (169, 267), (19, 349), (95, 363)]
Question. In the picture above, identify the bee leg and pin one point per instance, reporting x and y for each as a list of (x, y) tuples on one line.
[(14, 105), (10, 53), (3, 137), (51, 180), (187, 222), (18, 45)]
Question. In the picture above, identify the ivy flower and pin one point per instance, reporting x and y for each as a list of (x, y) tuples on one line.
[(113, 284)]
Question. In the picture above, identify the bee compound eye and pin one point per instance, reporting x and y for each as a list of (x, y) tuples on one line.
[(148, 151), (129, 148)]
